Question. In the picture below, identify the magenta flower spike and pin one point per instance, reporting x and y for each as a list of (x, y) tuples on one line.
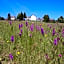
[(11, 56), (46, 56), (26, 23), (55, 41), (10, 22), (32, 27), (19, 26), (42, 31), (53, 32), (21, 30), (20, 34), (38, 28), (63, 32), (50, 26), (60, 55), (12, 38), (58, 38)]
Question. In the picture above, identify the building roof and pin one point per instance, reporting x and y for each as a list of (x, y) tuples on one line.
[(12, 16)]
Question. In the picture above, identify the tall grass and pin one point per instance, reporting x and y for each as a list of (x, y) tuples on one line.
[(32, 47)]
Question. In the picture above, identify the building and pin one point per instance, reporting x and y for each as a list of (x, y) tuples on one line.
[(28, 18), (31, 18), (51, 20), (13, 18), (38, 19)]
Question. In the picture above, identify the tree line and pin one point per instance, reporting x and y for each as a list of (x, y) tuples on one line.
[(20, 16), (46, 18)]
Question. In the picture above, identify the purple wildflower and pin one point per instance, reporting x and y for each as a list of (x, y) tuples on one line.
[(55, 41), (42, 31), (10, 22), (50, 26), (20, 34), (32, 27), (21, 30), (26, 23), (11, 56), (63, 32), (12, 38), (58, 38), (47, 57), (38, 28), (53, 32), (19, 26), (60, 55)]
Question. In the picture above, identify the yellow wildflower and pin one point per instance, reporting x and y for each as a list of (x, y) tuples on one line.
[(45, 35), (7, 41), (18, 52), (0, 59)]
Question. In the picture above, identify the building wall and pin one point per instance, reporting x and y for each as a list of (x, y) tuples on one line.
[(33, 18), (13, 19)]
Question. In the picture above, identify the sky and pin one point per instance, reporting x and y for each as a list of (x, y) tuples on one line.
[(54, 8)]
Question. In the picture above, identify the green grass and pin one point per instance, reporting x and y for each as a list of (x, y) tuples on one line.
[(32, 50)]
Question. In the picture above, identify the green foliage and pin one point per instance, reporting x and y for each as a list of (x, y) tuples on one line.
[(32, 49), (20, 16), (61, 19), (52, 21), (25, 15), (2, 18), (9, 16), (46, 18)]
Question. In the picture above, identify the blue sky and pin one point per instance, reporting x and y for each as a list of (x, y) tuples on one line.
[(54, 8)]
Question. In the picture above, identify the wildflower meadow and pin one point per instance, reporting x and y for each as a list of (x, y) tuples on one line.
[(31, 42)]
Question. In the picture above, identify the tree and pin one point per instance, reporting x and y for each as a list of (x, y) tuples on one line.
[(20, 16), (2, 18), (25, 15), (46, 18), (61, 19), (9, 16)]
